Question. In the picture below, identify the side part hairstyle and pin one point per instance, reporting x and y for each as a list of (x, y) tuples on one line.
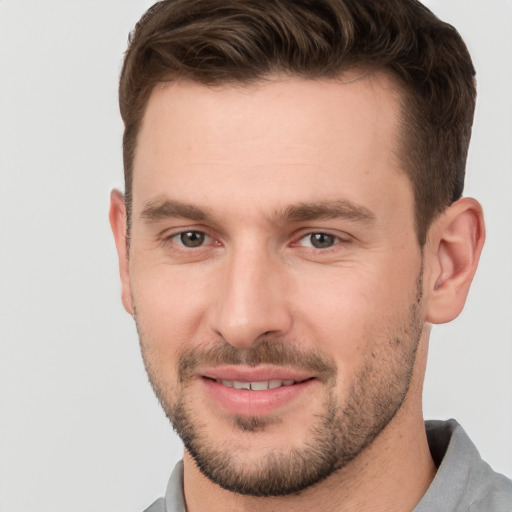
[(215, 42)]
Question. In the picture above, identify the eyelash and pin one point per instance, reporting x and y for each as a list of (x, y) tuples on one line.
[(177, 240), (336, 240)]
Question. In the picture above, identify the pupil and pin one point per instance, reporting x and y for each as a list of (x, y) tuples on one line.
[(192, 238), (321, 240)]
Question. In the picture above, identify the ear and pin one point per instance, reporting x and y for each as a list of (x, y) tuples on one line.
[(118, 221), (454, 246)]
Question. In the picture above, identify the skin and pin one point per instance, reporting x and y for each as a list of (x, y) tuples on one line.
[(241, 159)]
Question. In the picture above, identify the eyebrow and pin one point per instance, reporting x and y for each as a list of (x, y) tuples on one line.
[(326, 210), (155, 210)]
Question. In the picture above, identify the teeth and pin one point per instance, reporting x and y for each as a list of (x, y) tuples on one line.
[(256, 386), (241, 385), (259, 386)]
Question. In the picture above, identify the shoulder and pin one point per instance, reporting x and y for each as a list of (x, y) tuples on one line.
[(488, 491), (174, 500), (464, 482), (495, 495), (157, 506)]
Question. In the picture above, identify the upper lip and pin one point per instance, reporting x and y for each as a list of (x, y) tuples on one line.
[(254, 374)]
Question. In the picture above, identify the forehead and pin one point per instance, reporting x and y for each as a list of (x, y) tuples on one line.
[(283, 140)]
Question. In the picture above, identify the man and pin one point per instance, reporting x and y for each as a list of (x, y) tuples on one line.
[(292, 224)]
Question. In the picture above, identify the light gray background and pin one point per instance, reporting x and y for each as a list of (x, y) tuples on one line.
[(80, 429)]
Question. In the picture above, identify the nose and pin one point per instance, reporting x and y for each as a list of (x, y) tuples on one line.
[(252, 300)]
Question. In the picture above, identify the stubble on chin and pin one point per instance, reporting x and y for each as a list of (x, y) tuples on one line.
[(338, 432)]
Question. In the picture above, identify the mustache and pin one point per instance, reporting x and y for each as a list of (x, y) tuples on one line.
[(276, 352)]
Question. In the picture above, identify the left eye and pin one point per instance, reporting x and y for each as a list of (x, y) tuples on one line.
[(191, 238), (319, 240)]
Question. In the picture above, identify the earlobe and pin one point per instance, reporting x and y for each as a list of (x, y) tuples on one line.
[(117, 217), (454, 246)]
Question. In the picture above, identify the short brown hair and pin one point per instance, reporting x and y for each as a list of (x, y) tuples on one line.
[(240, 41)]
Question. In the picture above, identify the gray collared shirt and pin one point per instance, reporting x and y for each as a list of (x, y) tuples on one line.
[(463, 483)]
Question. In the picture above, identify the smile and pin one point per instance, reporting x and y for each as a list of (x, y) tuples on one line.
[(256, 386), (242, 395)]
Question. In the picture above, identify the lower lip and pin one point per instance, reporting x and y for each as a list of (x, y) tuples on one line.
[(243, 402)]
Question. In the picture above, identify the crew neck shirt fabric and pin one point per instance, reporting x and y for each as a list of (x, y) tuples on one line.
[(463, 483)]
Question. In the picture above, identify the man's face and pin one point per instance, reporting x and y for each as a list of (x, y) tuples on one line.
[(273, 248)]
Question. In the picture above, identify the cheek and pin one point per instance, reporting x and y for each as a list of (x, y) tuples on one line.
[(351, 312), (170, 307)]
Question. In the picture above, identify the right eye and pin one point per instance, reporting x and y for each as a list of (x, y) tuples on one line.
[(191, 239)]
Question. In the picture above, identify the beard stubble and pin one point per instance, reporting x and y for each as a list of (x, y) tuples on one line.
[(340, 432)]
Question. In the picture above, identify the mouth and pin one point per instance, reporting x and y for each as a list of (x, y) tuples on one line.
[(255, 392), (258, 385)]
